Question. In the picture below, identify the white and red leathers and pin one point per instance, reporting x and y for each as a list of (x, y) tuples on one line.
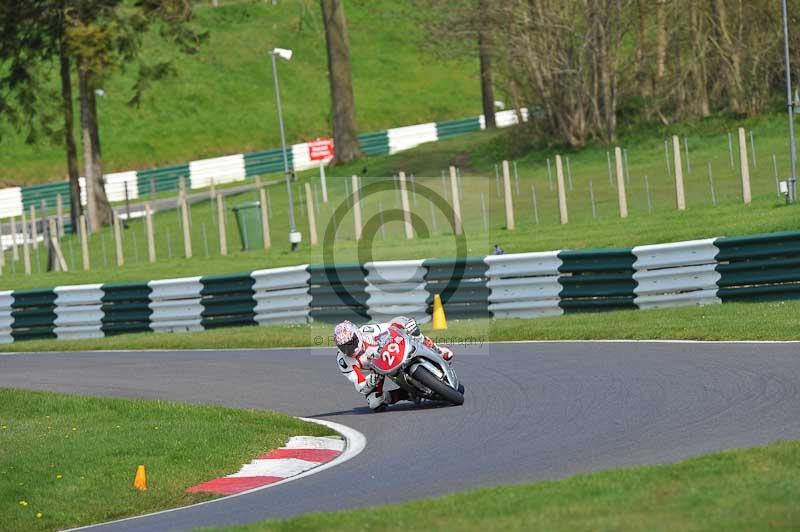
[(356, 367)]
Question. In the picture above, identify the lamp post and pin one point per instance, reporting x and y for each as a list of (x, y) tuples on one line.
[(294, 235), (792, 148)]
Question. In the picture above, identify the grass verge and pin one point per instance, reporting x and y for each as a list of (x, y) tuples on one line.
[(751, 489), (731, 321), (72, 459)]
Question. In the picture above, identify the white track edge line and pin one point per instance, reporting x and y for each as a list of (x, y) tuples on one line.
[(356, 442)]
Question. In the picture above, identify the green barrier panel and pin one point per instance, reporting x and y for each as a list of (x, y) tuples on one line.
[(266, 162), (48, 192), (33, 314), (596, 280), (453, 128), (338, 293), (126, 308), (374, 143), (759, 267), (227, 301), (461, 285), (164, 179)]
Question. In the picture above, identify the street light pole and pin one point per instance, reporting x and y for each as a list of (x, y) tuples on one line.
[(294, 235), (790, 103)]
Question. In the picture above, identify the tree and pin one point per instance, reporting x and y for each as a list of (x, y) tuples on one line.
[(343, 107), (95, 37)]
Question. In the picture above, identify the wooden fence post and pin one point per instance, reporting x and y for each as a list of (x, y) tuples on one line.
[(458, 221), (151, 238), (680, 197), (746, 196), (14, 248), (84, 236), (508, 197), (356, 208), (623, 200), (117, 239), (184, 205), (61, 263), (409, 229), (60, 216), (26, 252), (223, 236), (312, 220), (562, 194), (262, 196), (34, 229)]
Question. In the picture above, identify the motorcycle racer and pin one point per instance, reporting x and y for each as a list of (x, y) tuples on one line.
[(357, 346)]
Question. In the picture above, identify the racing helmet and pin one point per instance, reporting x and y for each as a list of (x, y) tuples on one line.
[(347, 337)]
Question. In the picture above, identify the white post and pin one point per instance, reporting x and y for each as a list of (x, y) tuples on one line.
[(84, 236), (508, 197), (745, 168), (562, 195), (409, 229), (223, 236), (623, 200), (459, 227), (312, 221), (680, 197), (323, 182), (356, 208)]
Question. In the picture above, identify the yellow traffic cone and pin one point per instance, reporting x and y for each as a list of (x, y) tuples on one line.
[(140, 482), (439, 320)]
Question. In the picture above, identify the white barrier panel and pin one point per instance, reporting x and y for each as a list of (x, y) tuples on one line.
[(675, 254), (281, 295), (10, 202), (175, 305), (524, 285), (6, 299), (676, 274), (78, 311), (116, 185), (396, 288), (404, 138), (221, 169)]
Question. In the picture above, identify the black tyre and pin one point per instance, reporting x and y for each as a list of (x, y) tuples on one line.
[(438, 387)]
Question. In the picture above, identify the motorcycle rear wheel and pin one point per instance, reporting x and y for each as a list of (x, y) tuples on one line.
[(438, 387)]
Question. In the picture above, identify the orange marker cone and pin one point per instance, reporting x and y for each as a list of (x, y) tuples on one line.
[(140, 482), (439, 319)]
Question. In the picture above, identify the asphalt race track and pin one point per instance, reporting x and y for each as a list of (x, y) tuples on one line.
[(533, 411)]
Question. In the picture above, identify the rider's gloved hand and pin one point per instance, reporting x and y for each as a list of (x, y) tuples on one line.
[(411, 327), (372, 380)]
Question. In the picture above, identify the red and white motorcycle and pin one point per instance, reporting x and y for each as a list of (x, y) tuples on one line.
[(415, 368)]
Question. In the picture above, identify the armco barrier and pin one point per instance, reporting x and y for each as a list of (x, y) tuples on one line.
[(232, 168), (679, 274), (523, 285), (397, 288)]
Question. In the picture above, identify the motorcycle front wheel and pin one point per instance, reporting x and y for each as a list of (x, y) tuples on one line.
[(438, 387)]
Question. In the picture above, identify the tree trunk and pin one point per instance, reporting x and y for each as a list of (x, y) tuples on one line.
[(698, 60), (343, 107), (487, 90), (663, 36), (732, 59), (104, 212), (86, 140), (69, 139)]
